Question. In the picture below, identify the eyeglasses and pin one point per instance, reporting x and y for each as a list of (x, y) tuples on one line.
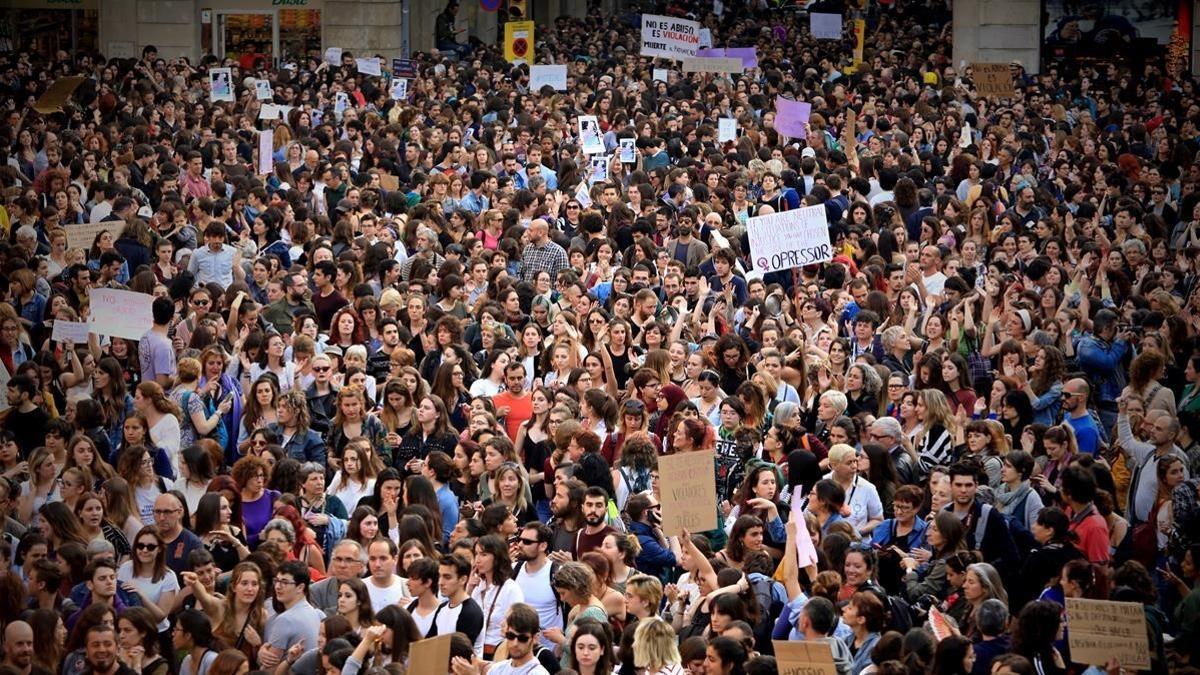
[(147, 547), (895, 386), (166, 512), (346, 561), (530, 542), (284, 582), (519, 637), (321, 369)]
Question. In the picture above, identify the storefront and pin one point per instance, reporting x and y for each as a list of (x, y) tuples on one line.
[(270, 30), (48, 26)]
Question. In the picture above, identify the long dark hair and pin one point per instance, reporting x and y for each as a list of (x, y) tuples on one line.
[(404, 630), (603, 634), (501, 563)]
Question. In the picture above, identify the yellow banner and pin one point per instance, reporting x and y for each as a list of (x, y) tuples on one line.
[(518, 42)]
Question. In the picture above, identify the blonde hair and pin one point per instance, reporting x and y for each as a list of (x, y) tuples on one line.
[(189, 370), (839, 452), (648, 589), (654, 644)]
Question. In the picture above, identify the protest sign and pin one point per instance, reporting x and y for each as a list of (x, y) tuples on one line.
[(272, 111), (124, 314), (1103, 629), (404, 68), (716, 64), (748, 55), (57, 94), (341, 101), (628, 150), (389, 182), (399, 90), (589, 135), (431, 655), (705, 37), (860, 38), (369, 66), (82, 235), (807, 657), (70, 331), (782, 241), (599, 169), (333, 56), (266, 151), (262, 90), (806, 553), (518, 41), (669, 37), (726, 129), (791, 116), (659, 75), (993, 79), (689, 491), (220, 83), (554, 77), (825, 26)]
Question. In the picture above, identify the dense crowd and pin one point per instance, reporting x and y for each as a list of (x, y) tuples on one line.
[(416, 379)]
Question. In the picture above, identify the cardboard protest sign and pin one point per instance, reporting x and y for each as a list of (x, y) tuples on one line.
[(124, 314), (58, 93), (73, 331), (718, 64), (220, 83), (860, 39), (993, 79), (689, 491), (389, 182), (266, 151), (518, 41), (431, 655), (368, 66), (825, 26), (590, 138), (82, 235), (791, 116), (806, 657), (1103, 629), (806, 553), (669, 37), (554, 77), (782, 241)]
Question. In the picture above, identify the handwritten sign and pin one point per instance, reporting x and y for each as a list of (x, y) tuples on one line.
[(669, 37), (993, 79), (783, 241), (807, 657), (791, 116), (1103, 629), (368, 66), (726, 129), (825, 26), (333, 56), (220, 83), (431, 655), (554, 77), (714, 64), (689, 491), (389, 182), (266, 151), (57, 94), (82, 235), (70, 331), (124, 314), (659, 75), (806, 553), (404, 68)]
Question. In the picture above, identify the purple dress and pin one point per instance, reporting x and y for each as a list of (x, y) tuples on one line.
[(257, 514)]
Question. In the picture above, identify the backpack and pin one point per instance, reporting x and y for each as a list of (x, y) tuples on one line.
[(1145, 538), (1015, 521), (769, 609), (220, 433)]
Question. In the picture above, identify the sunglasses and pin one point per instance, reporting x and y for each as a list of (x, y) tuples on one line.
[(146, 547), (519, 637), (530, 542)]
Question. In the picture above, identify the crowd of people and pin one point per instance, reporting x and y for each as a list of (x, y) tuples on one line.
[(416, 379)]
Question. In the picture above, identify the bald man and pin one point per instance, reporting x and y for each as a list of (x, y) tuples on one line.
[(18, 646), (541, 254)]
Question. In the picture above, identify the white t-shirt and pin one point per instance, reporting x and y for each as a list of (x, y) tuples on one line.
[(382, 597), (151, 589), (145, 497), (505, 667), (863, 500), (166, 435), (494, 601), (539, 594), (486, 388), (350, 492), (934, 285)]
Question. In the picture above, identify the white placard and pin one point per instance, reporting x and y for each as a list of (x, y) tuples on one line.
[(782, 241), (399, 90), (660, 75), (333, 56), (628, 150), (125, 314), (705, 38), (582, 194), (73, 331), (554, 77), (262, 90), (266, 150), (369, 66), (726, 129), (825, 26), (340, 102), (273, 111), (599, 169), (590, 138), (669, 37), (220, 85), (711, 64)]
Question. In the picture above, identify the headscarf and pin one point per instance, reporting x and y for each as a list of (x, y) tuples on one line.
[(674, 395)]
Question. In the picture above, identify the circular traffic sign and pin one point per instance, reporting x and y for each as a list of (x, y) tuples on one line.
[(489, 5), (520, 46)]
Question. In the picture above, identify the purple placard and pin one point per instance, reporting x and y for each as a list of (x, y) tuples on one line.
[(748, 55), (791, 116), (710, 52), (779, 33)]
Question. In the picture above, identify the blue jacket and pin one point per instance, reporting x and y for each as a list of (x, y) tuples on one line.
[(306, 447), (654, 559), (1101, 363)]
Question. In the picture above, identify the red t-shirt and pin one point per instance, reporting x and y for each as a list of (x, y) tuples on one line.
[(519, 410), (1092, 531)]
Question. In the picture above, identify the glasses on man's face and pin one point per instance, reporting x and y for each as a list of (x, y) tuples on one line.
[(284, 582), (346, 561), (529, 542), (519, 637)]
